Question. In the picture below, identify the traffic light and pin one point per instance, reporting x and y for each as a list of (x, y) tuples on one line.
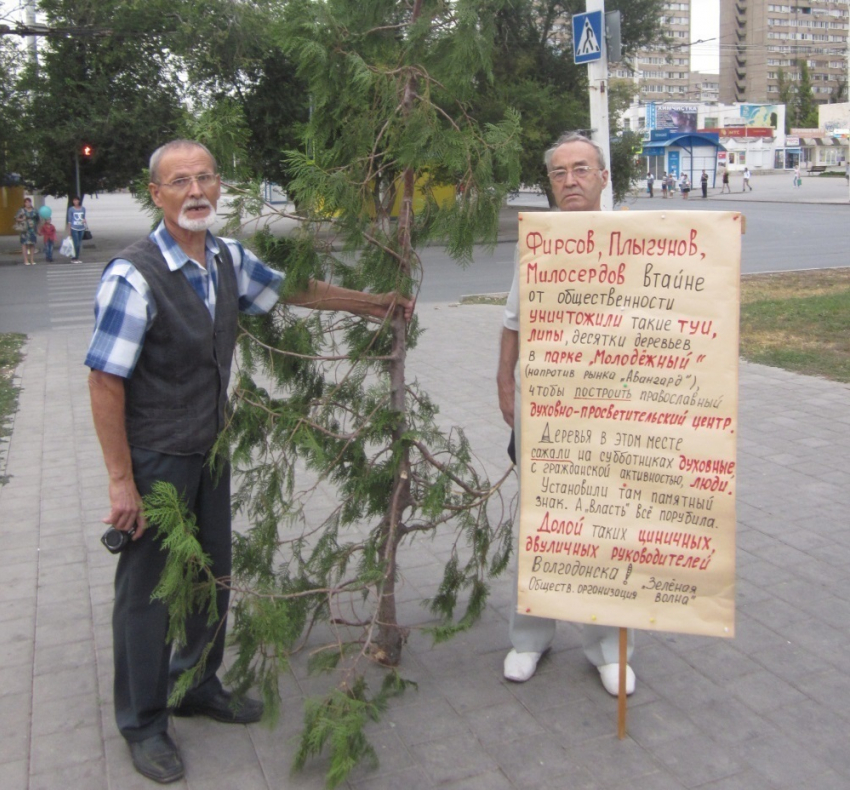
[(86, 151)]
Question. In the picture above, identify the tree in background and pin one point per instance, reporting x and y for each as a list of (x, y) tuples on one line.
[(121, 79), (787, 94), (806, 107), (12, 146), (277, 109), (534, 74), (801, 108), (341, 463), (838, 93), (625, 144), (231, 54), (109, 84)]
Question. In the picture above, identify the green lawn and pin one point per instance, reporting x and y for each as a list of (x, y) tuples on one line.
[(10, 356), (798, 321)]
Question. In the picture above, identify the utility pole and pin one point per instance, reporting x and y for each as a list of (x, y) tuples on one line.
[(32, 47), (597, 79)]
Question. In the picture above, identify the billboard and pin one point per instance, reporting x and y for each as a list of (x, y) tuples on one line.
[(760, 115), (679, 117)]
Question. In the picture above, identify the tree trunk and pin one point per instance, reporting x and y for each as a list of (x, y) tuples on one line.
[(390, 635)]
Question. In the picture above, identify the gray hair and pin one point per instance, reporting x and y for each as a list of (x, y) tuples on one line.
[(574, 137), (156, 156)]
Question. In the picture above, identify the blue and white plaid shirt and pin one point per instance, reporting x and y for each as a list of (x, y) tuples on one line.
[(125, 309)]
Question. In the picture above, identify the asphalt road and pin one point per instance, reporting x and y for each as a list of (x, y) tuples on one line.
[(779, 237)]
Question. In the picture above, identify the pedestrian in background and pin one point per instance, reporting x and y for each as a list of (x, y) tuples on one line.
[(746, 180), (703, 182), (726, 187), (685, 186), (797, 180), (26, 223), (76, 225), (47, 231), (650, 179), (664, 185)]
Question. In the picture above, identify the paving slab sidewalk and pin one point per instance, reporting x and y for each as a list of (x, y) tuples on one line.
[(768, 710)]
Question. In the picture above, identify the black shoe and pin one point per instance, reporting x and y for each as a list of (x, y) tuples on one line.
[(223, 707), (157, 758)]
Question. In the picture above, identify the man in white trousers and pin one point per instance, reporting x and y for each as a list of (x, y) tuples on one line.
[(578, 175)]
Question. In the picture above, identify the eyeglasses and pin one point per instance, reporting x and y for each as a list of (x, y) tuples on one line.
[(579, 171), (204, 180)]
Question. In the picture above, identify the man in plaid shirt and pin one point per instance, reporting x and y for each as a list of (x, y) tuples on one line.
[(165, 331)]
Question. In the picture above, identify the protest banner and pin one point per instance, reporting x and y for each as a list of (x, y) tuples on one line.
[(629, 394)]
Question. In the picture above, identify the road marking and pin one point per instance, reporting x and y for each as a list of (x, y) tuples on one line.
[(70, 295)]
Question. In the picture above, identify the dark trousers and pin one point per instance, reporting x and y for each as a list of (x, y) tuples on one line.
[(705, 188), (145, 667)]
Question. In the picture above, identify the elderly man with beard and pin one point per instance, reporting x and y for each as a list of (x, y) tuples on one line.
[(160, 356), (578, 175)]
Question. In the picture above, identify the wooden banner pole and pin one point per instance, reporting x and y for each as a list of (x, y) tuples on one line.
[(621, 696)]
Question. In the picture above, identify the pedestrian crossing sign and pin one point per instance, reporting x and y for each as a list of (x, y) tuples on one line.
[(587, 37)]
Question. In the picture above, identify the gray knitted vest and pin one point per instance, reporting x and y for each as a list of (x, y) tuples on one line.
[(176, 396)]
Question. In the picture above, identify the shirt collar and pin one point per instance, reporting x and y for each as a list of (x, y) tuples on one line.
[(174, 256)]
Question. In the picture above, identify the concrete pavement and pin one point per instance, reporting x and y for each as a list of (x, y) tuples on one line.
[(768, 710), (768, 187)]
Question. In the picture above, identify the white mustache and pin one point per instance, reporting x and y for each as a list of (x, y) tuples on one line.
[(195, 203)]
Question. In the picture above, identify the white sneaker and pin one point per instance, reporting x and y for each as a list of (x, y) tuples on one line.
[(610, 674), (519, 667)]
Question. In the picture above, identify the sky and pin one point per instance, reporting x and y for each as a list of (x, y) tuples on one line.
[(705, 24)]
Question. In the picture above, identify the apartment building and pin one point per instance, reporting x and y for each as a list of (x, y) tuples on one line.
[(703, 87), (663, 74), (758, 39)]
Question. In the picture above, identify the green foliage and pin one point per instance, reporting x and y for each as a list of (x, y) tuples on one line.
[(224, 130), (533, 73), (787, 93), (625, 163), (801, 110), (276, 107), (13, 155), (336, 723), (10, 357), (839, 93), (341, 463), (806, 106), (186, 584), (111, 85)]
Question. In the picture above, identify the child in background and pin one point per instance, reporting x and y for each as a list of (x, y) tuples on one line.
[(48, 232)]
